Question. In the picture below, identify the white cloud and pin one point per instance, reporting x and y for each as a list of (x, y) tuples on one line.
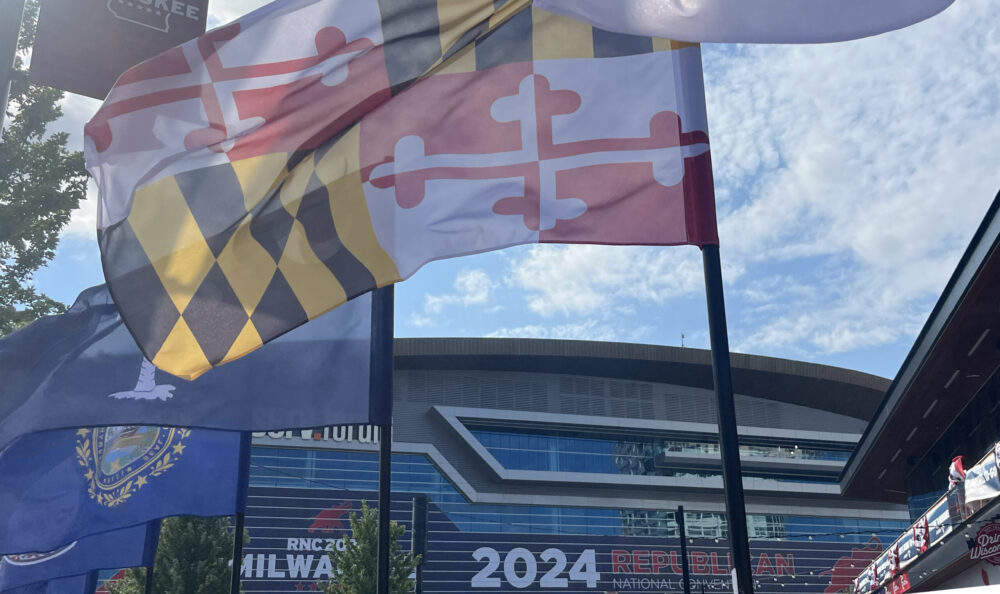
[(846, 311), (83, 221), (224, 11), (583, 330), (586, 279), (421, 321), (588, 329), (871, 161), (767, 290), (472, 287), (77, 110)]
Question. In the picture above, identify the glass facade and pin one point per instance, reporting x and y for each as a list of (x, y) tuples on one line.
[(565, 451), (919, 504), (525, 450), (358, 471)]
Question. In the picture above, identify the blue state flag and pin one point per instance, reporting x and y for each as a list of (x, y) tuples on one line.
[(59, 486), (45, 572), (81, 584), (83, 369)]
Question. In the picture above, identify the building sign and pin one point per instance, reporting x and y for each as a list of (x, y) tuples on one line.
[(987, 546), (82, 46), (490, 562), (292, 529), (982, 483), (337, 433), (898, 585)]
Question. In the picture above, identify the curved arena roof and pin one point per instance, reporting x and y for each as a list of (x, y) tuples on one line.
[(833, 389)]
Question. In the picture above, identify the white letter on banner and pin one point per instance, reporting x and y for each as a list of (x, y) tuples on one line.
[(323, 568), (247, 566), (299, 565), (272, 567)]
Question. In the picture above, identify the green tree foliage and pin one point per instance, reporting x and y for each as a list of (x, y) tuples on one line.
[(192, 558), (133, 583), (356, 566), (41, 182)]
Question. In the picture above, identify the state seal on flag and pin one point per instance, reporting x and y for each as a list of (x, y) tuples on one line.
[(119, 461)]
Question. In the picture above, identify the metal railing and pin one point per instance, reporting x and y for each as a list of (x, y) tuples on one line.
[(981, 486)]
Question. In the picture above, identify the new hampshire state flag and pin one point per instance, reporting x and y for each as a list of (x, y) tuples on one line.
[(272, 169), (57, 487), (83, 369), (78, 584), (65, 569)]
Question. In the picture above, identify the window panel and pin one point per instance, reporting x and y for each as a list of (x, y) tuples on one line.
[(288, 467)]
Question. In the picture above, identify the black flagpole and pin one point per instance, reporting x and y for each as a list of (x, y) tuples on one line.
[(234, 585), (418, 537), (383, 301), (91, 584), (241, 503), (732, 481), (685, 573), (152, 533)]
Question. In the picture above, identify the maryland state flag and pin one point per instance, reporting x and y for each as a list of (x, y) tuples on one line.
[(274, 168)]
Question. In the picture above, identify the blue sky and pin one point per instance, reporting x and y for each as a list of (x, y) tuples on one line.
[(849, 178)]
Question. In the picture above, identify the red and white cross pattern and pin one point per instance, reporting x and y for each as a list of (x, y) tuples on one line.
[(567, 151), (281, 79)]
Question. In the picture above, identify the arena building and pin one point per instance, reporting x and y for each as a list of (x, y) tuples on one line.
[(559, 466)]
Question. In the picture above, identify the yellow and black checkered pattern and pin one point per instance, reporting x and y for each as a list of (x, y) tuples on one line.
[(211, 264), (283, 239), (518, 35)]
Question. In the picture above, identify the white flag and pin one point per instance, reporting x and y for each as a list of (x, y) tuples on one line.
[(749, 21)]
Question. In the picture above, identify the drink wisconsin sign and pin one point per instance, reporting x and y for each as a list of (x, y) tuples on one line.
[(987, 545), (82, 46)]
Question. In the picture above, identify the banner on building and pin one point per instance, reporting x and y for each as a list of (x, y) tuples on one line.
[(82, 46), (982, 482), (292, 530)]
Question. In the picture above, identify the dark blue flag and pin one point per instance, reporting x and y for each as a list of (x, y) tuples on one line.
[(59, 486), (79, 584), (83, 369), (129, 547)]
